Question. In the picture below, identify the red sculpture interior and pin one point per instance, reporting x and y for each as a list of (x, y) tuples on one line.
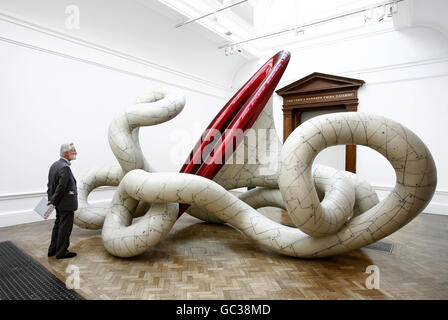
[(240, 113)]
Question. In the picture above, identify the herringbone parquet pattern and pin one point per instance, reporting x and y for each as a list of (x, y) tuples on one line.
[(210, 261)]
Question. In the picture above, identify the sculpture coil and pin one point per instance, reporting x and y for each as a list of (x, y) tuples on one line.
[(334, 211)]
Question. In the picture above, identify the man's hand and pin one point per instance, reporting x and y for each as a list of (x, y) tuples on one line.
[(48, 203)]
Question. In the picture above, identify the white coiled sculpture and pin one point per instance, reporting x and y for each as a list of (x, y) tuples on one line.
[(334, 211)]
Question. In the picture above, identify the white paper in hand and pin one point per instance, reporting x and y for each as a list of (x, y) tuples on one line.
[(43, 209)]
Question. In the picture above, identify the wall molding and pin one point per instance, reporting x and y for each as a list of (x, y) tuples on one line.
[(405, 65), (108, 67), (23, 195), (330, 40), (19, 22), (35, 194), (438, 204), (442, 72), (17, 208), (19, 217)]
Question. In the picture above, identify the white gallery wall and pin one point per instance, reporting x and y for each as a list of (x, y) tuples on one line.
[(60, 85), (405, 69)]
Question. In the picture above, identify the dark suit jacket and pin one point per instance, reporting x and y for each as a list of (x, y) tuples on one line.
[(62, 190)]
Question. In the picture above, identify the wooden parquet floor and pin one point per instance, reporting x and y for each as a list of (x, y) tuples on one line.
[(199, 260)]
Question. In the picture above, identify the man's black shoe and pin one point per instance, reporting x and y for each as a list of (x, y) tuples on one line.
[(51, 254), (68, 255)]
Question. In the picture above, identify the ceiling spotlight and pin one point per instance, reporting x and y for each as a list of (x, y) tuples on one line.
[(232, 49), (392, 9), (380, 13), (368, 15), (375, 12)]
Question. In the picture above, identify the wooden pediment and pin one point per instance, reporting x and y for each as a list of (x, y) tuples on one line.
[(320, 92), (316, 82)]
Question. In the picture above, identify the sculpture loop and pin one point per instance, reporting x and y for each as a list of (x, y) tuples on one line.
[(416, 179), (334, 211), (150, 109), (239, 114)]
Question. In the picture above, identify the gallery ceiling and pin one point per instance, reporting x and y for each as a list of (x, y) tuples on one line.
[(254, 28)]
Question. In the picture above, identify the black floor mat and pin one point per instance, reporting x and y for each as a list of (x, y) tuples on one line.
[(23, 278)]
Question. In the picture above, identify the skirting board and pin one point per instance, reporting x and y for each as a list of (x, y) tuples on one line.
[(438, 205), (27, 216), (18, 208)]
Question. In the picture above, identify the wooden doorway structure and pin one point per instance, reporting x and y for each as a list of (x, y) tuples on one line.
[(320, 91)]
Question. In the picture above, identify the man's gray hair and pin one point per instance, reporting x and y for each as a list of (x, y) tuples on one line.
[(65, 147)]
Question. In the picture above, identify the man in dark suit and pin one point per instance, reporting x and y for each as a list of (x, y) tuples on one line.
[(62, 193)]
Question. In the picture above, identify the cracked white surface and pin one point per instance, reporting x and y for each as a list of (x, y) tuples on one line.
[(237, 172), (412, 161), (334, 211), (263, 172), (149, 109)]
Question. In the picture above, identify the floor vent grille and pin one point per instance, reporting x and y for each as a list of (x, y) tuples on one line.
[(381, 246)]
